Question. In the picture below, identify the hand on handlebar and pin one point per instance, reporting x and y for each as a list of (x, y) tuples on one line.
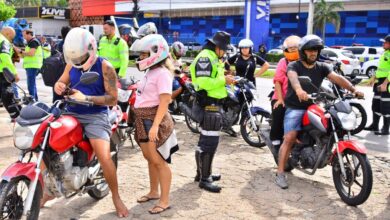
[(59, 88), (230, 80), (359, 94), (77, 95), (302, 95)]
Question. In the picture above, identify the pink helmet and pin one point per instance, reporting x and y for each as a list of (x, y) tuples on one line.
[(178, 48), (80, 48), (155, 45)]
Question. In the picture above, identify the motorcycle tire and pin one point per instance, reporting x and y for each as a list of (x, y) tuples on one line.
[(191, 124), (245, 122), (9, 196), (358, 108), (101, 190), (344, 185)]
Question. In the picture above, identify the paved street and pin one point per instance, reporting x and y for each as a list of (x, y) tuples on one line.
[(247, 179)]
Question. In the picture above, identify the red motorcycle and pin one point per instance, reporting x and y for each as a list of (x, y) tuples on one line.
[(58, 141), (325, 140), (127, 91)]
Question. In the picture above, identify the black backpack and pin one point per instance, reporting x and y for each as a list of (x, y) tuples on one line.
[(52, 69)]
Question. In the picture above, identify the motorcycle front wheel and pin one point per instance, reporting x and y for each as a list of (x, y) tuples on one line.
[(355, 188), (361, 117), (13, 195), (250, 133)]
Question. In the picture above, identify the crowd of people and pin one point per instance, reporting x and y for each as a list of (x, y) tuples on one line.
[(210, 73)]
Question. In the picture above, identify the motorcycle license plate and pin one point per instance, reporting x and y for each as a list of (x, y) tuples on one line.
[(124, 95)]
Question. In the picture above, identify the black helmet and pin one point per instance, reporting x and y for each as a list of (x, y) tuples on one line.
[(386, 39), (221, 39), (310, 42)]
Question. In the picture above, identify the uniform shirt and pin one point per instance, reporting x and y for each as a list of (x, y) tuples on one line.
[(6, 53), (242, 65), (316, 74), (33, 43), (156, 81)]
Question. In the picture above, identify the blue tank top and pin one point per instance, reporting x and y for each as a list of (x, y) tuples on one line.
[(94, 89)]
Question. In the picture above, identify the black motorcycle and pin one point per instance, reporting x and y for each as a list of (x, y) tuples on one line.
[(236, 108)]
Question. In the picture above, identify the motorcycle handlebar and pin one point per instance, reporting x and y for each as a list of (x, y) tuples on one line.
[(73, 101)]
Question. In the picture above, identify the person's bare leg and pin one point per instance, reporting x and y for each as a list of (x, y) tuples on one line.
[(164, 175), (46, 197), (153, 176), (285, 149), (102, 151)]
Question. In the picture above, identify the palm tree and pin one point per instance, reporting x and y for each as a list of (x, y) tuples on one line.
[(326, 13)]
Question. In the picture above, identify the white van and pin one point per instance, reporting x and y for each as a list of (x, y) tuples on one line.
[(95, 29)]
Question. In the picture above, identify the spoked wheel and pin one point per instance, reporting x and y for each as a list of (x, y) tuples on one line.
[(191, 124), (361, 117), (355, 187), (101, 190), (13, 196), (250, 133)]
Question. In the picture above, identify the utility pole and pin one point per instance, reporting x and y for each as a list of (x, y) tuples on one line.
[(310, 17), (135, 8)]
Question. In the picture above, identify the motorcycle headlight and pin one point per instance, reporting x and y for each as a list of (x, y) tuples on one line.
[(124, 95), (348, 120), (24, 136)]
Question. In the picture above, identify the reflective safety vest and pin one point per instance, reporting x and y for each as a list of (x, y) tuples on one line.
[(210, 79), (6, 52), (383, 65), (33, 62), (116, 51), (46, 50)]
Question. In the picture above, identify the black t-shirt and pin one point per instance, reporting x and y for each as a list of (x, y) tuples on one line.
[(242, 64), (316, 74), (33, 43)]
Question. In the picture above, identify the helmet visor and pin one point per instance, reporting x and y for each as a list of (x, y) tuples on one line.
[(79, 61)]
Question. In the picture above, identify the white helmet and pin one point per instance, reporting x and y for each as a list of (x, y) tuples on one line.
[(80, 49), (155, 45), (146, 29), (245, 43), (178, 48)]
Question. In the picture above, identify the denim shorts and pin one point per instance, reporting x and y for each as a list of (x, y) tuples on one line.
[(293, 120)]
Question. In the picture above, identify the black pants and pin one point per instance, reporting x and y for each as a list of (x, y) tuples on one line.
[(277, 128), (7, 96), (211, 126)]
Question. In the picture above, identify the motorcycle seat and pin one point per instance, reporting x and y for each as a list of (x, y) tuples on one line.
[(112, 116)]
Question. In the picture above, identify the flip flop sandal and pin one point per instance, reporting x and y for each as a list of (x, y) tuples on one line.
[(160, 211), (146, 199)]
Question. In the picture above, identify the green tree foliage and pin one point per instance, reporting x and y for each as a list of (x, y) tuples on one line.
[(326, 13), (6, 11)]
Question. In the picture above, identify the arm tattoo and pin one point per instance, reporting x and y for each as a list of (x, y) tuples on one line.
[(293, 77), (110, 87)]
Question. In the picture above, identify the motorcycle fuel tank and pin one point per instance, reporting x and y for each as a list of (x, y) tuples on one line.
[(315, 116), (65, 132)]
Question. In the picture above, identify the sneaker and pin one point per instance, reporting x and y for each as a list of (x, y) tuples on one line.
[(281, 180)]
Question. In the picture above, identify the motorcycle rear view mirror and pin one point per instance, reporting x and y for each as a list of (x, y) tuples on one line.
[(89, 77), (307, 85), (10, 77)]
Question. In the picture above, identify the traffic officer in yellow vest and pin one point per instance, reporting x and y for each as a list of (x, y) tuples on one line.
[(45, 47), (381, 100), (207, 73), (32, 61), (7, 35), (114, 49)]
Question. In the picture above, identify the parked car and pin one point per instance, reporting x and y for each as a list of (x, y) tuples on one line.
[(190, 46), (349, 63), (231, 51), (364, 53), (275, 51), (369, 68)]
